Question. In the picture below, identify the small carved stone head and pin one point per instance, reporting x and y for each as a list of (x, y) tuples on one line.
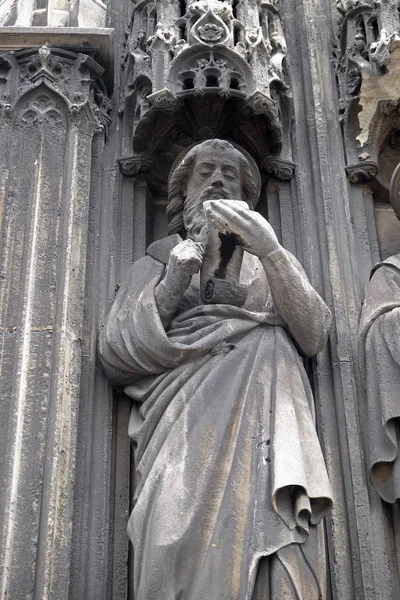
[(247, 182)]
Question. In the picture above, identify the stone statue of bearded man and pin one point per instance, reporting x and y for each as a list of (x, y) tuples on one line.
[(231, 481)]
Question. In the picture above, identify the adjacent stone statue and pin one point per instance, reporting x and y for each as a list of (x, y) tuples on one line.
[(380, 363), (380, 367), (205, 337)]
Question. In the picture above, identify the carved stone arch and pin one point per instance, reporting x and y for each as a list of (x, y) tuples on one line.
[(270, 20), (229, 64), (362, 13), (145, 18), (372, 27), (42, 105)]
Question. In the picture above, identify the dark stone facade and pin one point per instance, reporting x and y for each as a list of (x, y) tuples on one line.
[(92, 119)]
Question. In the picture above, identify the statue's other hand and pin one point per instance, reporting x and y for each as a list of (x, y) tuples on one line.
[(184, 261), (186, 258), (254, 232)]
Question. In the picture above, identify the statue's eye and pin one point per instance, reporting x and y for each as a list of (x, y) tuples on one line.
[(230, 174)]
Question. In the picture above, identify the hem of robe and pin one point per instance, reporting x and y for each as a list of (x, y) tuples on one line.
[(300, 496)]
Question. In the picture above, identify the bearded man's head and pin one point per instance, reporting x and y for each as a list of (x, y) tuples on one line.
[(214, 169)]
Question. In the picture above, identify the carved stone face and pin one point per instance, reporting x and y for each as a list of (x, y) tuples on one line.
[(215, 174)]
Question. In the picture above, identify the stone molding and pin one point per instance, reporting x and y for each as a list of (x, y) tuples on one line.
[(76, 78), (133, 165), (96, 43), (278, 167), (362, 171), (83, 13)]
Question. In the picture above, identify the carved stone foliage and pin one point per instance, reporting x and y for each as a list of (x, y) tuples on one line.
[(362, 171), (278, 168), (74, 77), (132, 165)]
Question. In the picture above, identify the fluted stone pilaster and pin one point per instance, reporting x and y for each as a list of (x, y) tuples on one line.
[(53, 103)]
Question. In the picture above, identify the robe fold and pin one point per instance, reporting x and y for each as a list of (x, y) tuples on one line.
[(380, 366), (229, 466)]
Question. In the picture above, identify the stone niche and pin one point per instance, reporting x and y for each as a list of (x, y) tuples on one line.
[(201, 69), (368, 69)]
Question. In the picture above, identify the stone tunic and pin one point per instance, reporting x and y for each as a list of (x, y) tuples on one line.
[(380, 365), (229, 465)]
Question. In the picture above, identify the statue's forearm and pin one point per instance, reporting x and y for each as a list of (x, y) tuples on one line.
[(297, 303), (168, 295)]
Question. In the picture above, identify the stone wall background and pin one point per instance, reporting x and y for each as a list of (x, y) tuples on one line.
[(72, 223)]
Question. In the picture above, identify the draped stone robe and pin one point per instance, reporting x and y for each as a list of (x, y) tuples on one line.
[(229, 466), (380, 365)]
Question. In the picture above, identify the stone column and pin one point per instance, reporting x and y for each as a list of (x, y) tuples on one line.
[(52, 104)]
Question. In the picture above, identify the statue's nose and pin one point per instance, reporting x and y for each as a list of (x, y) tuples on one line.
[(217, 182), (217, 179)]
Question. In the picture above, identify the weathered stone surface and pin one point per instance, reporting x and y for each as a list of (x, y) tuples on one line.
[(97, 43), (51, 107), (380, 365), (219, 387), (379, 95), (28, 13), (328, 222)]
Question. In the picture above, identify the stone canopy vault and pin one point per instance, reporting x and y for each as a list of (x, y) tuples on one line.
[(99, 105), (197, 70)]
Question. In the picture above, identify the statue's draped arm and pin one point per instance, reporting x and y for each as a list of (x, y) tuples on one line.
[(116, 358), (297, 303)]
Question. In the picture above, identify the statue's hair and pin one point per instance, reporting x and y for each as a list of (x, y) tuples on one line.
[(181, 174)]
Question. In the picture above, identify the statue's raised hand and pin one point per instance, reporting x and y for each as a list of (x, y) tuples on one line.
[(253, 232), (184, 261), (186, 258)]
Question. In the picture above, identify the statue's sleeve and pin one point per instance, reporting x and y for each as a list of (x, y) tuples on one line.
[(380, 366), (119, 354), (302, 309)]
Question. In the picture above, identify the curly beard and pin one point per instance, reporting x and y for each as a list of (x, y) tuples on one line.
[(194, 218), (195, 223)]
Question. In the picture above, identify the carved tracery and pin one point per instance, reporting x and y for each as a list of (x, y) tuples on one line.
[(76, 78), (179, 56), (41, 109), (368, 41)]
